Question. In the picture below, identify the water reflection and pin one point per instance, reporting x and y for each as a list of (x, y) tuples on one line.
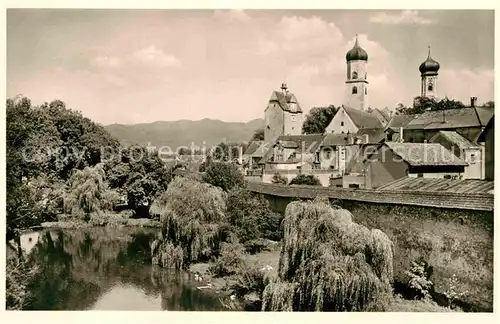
[(107, 269)]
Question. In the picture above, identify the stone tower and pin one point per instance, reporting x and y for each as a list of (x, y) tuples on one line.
[(283, 115), (356, 83), (429, 75)]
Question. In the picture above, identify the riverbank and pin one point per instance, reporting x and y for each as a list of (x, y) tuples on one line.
[(268, 261), (73, 224)]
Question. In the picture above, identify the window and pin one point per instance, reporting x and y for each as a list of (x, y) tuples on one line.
[(342, 132), (472, 158), (354, 185), (354, 75), (342, 123), (420, 175), (293, 118), (366, 90), (429, 87), (354, 90)]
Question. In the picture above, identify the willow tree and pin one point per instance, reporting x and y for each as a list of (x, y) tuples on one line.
[(328, 262), (89, 193), (193, 223)]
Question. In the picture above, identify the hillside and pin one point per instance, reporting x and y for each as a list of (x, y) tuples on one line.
[(184, 132)]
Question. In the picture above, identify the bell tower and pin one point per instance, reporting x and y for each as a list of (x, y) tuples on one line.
[(428, 77), (356, 95)]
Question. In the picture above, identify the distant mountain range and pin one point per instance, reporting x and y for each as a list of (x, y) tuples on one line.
[(174, 134)]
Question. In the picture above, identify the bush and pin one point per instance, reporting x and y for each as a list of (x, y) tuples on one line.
[(18, 276), (251, 217), (251, 280), (224, 175), (419, 282), (230, 260), (305, 179), (279, 179), (108, 219)]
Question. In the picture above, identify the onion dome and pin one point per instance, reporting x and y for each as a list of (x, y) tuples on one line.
[(429, 65), (356, 53)]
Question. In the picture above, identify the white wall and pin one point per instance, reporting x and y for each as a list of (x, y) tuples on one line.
[(341, 123)]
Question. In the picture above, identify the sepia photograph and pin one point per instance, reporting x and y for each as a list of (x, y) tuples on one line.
[(249, 160)]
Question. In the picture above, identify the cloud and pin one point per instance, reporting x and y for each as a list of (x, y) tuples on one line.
[(234, 15), (107, 61), (478, 82), (401, 18), (153, 56)]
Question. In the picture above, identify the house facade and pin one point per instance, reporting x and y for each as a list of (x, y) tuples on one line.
[(487, 137)]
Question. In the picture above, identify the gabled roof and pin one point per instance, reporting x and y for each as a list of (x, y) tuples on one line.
[(439, 185), (287, 101), (485, 114), (375, 135), (398, 121), (309, 143), (363, 119), (382, 115), (425, 154), (489, 126), (451, 118), (257, 149), (455, 138)]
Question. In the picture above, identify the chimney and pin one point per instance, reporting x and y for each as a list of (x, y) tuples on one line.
[(473, 101), (401, 134), (366, 138)]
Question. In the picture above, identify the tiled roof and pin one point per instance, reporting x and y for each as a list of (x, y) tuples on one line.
[(454, 138), (334, 139), (310, 143), (485, 114), (440, 185), (363, 119), (382, 115), (400, 121), (257, 149), (425, 154), (490, 125), (287, 102), (450, 118), (375, 135)]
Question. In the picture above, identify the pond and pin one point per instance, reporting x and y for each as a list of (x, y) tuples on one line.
[(107, 269)]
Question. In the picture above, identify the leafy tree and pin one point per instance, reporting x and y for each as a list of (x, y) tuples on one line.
[(318, 119), (423, 104), (138, 174), (305, 179), (251, 216), (258, 135), (489, 104), (224, 175), (279, 179)]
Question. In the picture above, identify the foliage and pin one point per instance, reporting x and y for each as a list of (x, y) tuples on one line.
[(423, 104), (193, 219), (17, 275), (328, 262), (258, 135), (230, 260), (140, 175), (489, 104), (305, 179), (279, 179), (89, 193), (419, 279), (453, 292), (251, 280), (45, 142), (109, 219), (318, 119), (251, 216), (224, 175)]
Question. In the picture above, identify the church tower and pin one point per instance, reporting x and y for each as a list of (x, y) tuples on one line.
[(283, 115), (429, 75), (356, 83)]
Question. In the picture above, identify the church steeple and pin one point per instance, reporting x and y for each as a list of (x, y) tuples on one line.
[(428, 75), (356, 82)]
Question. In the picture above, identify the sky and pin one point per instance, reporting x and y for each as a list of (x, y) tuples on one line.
[(139, 66)]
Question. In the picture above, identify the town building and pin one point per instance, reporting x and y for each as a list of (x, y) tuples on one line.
[(471, 153), (283, 115), (349, 121), (487, 137)]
